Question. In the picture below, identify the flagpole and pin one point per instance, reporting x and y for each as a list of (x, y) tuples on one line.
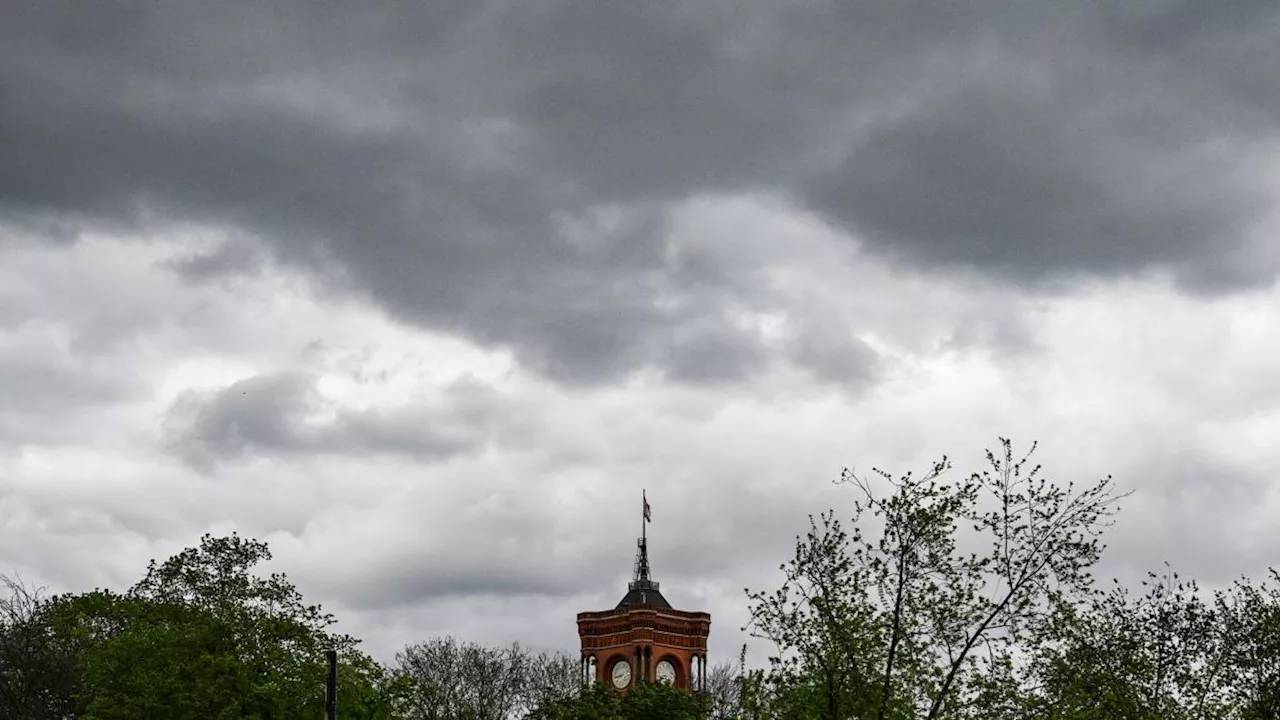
[(643, 520)]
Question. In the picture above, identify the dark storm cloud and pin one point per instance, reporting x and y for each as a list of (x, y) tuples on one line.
[(228, 258), (1033, 140), (452, 572), (429, 156), (998, 178), (829, 351), (272, 414)]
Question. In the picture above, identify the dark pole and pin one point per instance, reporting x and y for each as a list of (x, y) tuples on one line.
[(331, 686)]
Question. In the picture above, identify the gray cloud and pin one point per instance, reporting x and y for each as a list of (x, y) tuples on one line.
[(272, 414), (1007, 178), (469, 566), (1179, 494), (228, 258), (427, 157), (44, 392), (48, 387), (832, 353), (1034, 140)]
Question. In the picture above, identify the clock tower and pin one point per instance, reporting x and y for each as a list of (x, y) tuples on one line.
[(643, 638)]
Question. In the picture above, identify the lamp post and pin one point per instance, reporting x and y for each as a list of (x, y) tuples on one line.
[(331, 686)]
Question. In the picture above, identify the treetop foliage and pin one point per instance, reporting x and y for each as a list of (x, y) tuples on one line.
[(942, 597), (908, 623)]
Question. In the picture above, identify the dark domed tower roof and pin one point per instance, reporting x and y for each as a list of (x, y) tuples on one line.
[(643, 592)]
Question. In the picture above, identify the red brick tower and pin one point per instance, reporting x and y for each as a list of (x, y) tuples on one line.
[(644, 639)]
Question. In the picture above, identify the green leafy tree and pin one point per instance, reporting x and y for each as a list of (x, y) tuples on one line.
[(594, 701), (1254, 625), (909, 623), (660, 701), (1169, 653), (1094, 665), (824, 628), (162, 660), (202, 636), (645, 701)]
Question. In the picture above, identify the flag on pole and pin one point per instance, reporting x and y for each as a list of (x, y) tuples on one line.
[(647, 517)]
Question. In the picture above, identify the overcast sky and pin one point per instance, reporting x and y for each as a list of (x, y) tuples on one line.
[(424, 294)]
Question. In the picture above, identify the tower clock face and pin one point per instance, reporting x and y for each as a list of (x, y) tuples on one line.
[(621, 674), (666, 672)]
